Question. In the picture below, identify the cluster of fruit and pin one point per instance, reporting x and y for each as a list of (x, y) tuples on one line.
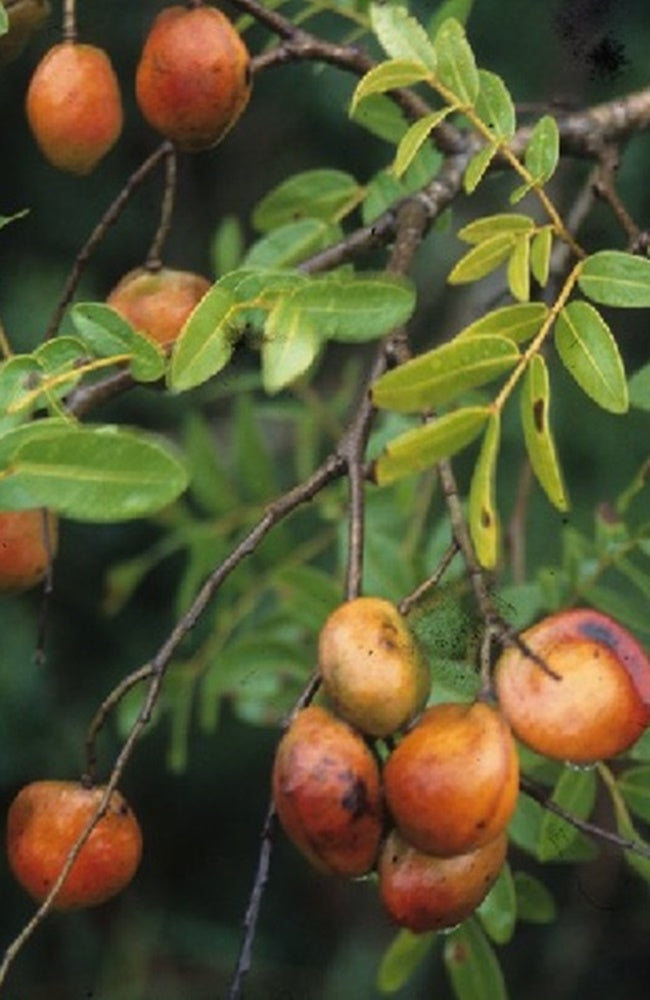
[(428, 810)]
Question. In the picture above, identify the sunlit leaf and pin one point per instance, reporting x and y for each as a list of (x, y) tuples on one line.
[(540, 254), (518, 322), (18, 376), (590, 353), (616, 278), (388, 76), (483, 516), (290, 244), (482, 259), (422, 447), (540, 445), (456, 64), (402, 957), (317, 194), (543, 149), (477, 166), (518, 271), (414, 138), (400, 35), (488, 226), (290, 347), (444, 373), (472, 965), (381, 116), (494, 105), (206, 342)]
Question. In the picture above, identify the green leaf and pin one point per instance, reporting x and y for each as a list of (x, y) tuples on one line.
[(288, 245), (481, 260), (634, 785), (616, 278), (639, 861), (380, 116), (518, 271), (318, 194), (414, 138), (477, 166), (472, 965), (483, 516), (105, 334), (92, 474), (444, 373), (387, 76), (4, 21), (290, 347), (18, 376), (590, 353), (401, 36), (494, 105), (456, 65), (227, 245), (540, 254), (535, 404), (209, 483), (575, 792), (206, 341), (535, 903), (422, 447), (402, 957), (459, 9), (518, 323), (543, 150), (498, 911), (639, 388), (485, 228), (14, 438)]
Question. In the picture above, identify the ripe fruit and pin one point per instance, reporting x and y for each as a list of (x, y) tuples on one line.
[(428, 893), (24, 554), (451, 784), (157, 303), (74, 106), (326, 790), (193, 80), (599, 703), (44, 821), (372, 670)]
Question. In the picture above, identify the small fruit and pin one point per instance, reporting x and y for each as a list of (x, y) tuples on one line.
[(428, 893), (46, 818), (193, 80), (596, 706), (24, 551), (157, 303), (451, 784), (326, 789), (373, 673), (74, 106)]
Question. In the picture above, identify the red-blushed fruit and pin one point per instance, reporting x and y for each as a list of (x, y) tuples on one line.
[(46, 818), (373, 672), (157, 303), (25, 551), (193, 79), (596, 706), (74, 107), (428, 893), (326, 789), (451, 784)]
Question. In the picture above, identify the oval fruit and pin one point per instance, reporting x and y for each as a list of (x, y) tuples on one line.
[(326, 789), (74, 107), (428, 893), (373, 673), (596, 706), (451, 784), (157, 303), (25, 553), (193, 79), (46, 818)]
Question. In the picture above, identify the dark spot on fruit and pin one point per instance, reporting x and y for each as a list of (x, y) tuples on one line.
[(355, 800), (599, 633)]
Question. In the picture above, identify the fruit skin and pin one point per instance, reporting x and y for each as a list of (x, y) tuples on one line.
[(601, 704), (373, 672), (23, 552), (428, 893), (44, 821), (451, 784), (74, 107), (326, 789), (157, 303), (193, 79)]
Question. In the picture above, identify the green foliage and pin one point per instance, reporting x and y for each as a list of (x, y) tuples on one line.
[(472, 965), (401, 959)]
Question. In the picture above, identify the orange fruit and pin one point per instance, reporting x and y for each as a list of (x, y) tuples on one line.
[(326, 789), (451, 784), (193, 79), (157, 303), (428, 893), (596, 706), (24, 554), (373, 673), (74, 107), (46, 818)]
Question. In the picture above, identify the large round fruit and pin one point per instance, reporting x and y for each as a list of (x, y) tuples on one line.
[(326, 789), (193, 80), (157, 303), (597, 704), (373, 673), (428, 893), (45, 820), (24, 553), (74, 106), (451, 784)]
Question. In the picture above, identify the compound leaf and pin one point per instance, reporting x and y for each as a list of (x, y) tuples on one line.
[(456, 64)]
